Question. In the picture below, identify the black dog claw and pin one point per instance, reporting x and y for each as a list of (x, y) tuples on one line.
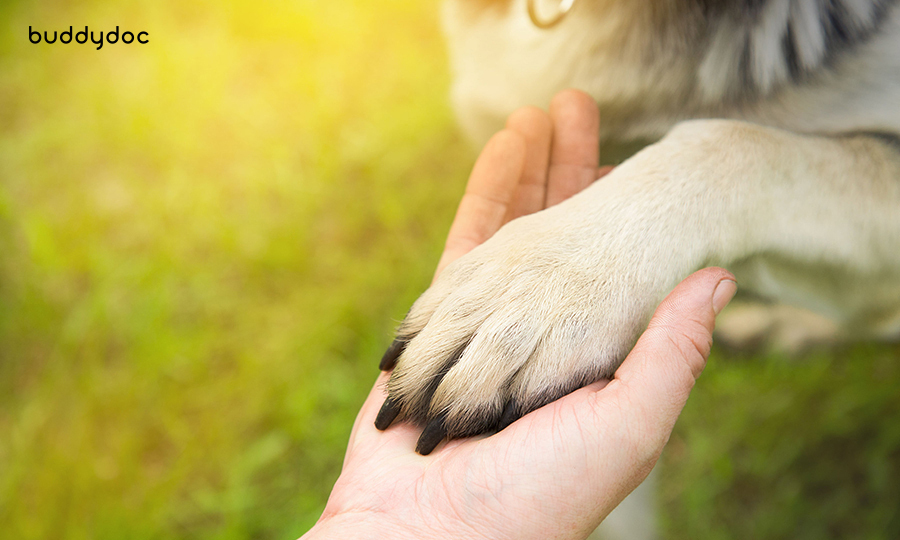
[(389, 360), (510, 415), (387, 414), (431, 436)]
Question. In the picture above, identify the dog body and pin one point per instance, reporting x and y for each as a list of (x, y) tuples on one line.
[(777, 157), (808, 66)]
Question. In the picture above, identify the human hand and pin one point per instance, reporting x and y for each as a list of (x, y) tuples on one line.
[(558, 471), (538, 161)]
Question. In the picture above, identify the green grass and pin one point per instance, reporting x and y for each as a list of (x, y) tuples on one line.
[(206, 241)]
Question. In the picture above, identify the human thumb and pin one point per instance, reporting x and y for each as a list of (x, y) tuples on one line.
[(659, 373)]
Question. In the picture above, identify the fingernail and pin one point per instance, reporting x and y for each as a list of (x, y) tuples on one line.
[(723, 294)]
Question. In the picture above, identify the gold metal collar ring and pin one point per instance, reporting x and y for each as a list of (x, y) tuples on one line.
[(562, 9)]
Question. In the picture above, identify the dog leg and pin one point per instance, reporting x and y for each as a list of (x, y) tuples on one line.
[(756, 326)]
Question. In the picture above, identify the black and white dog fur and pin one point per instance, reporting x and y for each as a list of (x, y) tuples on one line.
[(778, 157)]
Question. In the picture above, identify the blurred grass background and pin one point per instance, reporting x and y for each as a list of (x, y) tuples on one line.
[(206, 241)]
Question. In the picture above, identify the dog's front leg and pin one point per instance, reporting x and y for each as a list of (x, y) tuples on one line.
[(813, 221), (554, 300)]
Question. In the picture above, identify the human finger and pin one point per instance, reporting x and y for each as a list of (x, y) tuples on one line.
[(488, 196), (657, 376), (536, 128), (575, 150)]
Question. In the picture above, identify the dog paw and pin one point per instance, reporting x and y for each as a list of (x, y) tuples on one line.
[(791, 330), (539, 310)]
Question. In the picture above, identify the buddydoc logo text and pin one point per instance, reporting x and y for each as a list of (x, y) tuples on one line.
[(82, 36)]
